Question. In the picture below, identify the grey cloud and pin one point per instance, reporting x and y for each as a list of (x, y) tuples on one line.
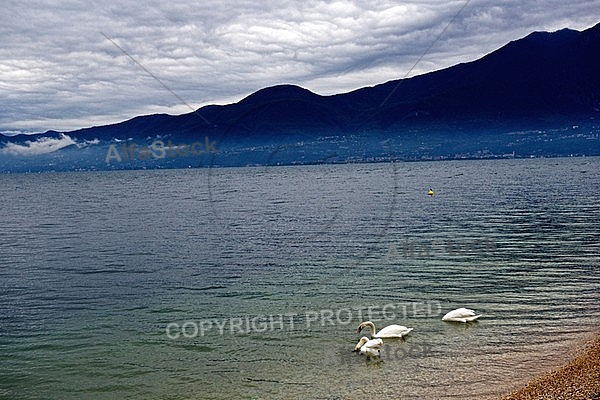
[(57, 71), (40, 146)]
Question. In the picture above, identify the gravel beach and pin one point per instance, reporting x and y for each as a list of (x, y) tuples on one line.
[(579, 379)]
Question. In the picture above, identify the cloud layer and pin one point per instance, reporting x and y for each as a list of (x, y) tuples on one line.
[(58, 70), (41, 146)]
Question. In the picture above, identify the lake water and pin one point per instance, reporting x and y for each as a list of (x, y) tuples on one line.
[(248, 282)]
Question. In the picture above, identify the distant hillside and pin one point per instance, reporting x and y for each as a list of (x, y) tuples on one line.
[(536, 96)]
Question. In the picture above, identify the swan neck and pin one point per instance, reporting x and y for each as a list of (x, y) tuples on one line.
[(372, 326)]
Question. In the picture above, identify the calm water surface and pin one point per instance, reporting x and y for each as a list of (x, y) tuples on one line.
[(274, 264)]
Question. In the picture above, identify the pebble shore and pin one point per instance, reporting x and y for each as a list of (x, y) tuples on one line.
[(579, 379)]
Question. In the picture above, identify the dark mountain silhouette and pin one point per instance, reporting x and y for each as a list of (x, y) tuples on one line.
[(536, 96)]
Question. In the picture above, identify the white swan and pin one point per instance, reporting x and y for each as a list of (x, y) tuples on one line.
[(461, 315), (369, 347), (391, 331)]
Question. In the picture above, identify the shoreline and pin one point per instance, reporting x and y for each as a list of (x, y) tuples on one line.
[(577, 379)]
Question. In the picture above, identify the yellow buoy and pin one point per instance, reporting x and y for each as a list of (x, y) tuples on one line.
[(430, 192)]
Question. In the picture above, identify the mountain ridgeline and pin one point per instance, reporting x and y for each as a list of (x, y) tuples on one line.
[(536, 96)]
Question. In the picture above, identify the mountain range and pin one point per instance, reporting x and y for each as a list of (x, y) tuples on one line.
[(536, 96)]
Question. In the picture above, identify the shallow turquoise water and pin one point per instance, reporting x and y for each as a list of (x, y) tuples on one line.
[(275, 264)]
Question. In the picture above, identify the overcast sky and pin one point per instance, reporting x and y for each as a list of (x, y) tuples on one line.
[(59, 71)]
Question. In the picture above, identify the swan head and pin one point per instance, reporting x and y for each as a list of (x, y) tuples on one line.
[(363, 325), (361, 342)]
